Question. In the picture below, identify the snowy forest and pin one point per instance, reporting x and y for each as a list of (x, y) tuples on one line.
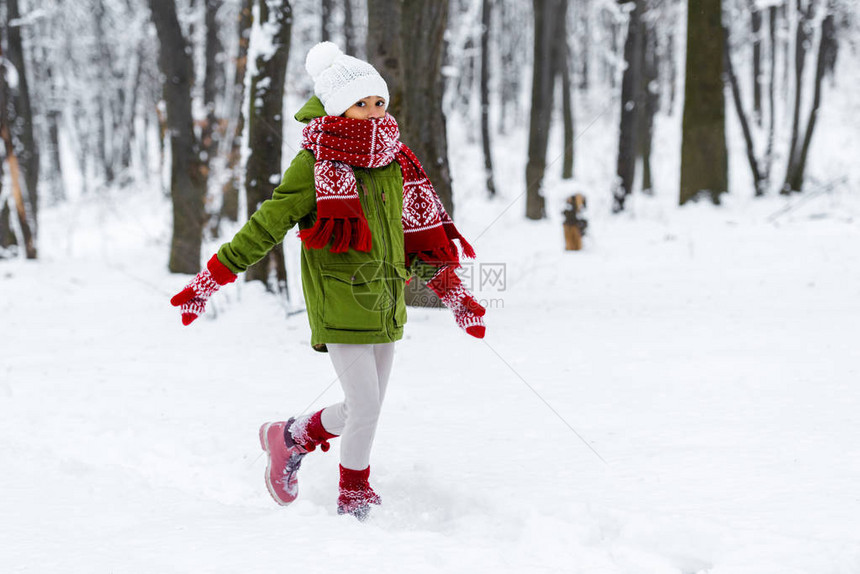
[(104, 95), (664, 198)]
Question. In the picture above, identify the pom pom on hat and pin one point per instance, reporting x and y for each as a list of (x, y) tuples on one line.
[(320, 57), (341, 80)]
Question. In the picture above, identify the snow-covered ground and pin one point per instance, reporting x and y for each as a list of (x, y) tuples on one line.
[(680, 397), (709, 356)]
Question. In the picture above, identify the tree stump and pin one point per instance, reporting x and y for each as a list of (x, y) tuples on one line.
[(574, 222)]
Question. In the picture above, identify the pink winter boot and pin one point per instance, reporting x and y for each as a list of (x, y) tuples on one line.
[(356, 496), (287, 443)]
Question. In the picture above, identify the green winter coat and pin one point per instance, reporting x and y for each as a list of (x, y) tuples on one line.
[(351, 297)]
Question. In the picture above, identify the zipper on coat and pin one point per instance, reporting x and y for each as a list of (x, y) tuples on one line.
[(379, 213)]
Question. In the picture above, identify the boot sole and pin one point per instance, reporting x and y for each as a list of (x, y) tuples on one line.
[(264, 444)]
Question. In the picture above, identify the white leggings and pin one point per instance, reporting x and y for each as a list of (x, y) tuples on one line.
[(363, 371)]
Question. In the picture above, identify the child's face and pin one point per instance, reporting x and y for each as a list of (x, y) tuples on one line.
[(366, 108)]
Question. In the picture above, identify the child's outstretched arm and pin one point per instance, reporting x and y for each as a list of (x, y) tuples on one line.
[(292, 200)]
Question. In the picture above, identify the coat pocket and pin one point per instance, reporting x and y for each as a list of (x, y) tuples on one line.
[(354, 298)]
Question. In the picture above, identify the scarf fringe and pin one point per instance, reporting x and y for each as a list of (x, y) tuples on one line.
[(447, 255), (317, 236), (342, 232), (361, 233), (341, 236), (468, 250)]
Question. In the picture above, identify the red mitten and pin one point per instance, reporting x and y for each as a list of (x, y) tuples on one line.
[(467, 311), (192, 300)]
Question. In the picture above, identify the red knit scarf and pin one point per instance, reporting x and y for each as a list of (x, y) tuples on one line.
[(338, 143)]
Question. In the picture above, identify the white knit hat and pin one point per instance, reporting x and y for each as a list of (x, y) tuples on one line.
[(341, 80)]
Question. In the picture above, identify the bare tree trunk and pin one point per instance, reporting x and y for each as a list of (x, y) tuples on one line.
[(758, 181), (57, 189), (550, 17), (466, 85), (833, 47), (280, 270), (672, 73), (348, 28), (585, 45), (327, 11), (650, 96), (802, 37), (631, 103), (826, 46), (384, 48), (104, 152), (771, 95), (610, 57), (704, 157), (486, 12), (265, 123), (27, 152), (405, 44), (566, 110), (756, 17), (44, 76), (510, 68), (422, 119), (188, 176), (230, 191), (7, 236), (82, 149), (18, 196), (213, 82), (125, 126), (786, 45)]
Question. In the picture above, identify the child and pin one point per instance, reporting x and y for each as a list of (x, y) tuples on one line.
[(368, 218)]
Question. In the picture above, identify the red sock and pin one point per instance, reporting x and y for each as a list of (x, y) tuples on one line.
[(316, 433)]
